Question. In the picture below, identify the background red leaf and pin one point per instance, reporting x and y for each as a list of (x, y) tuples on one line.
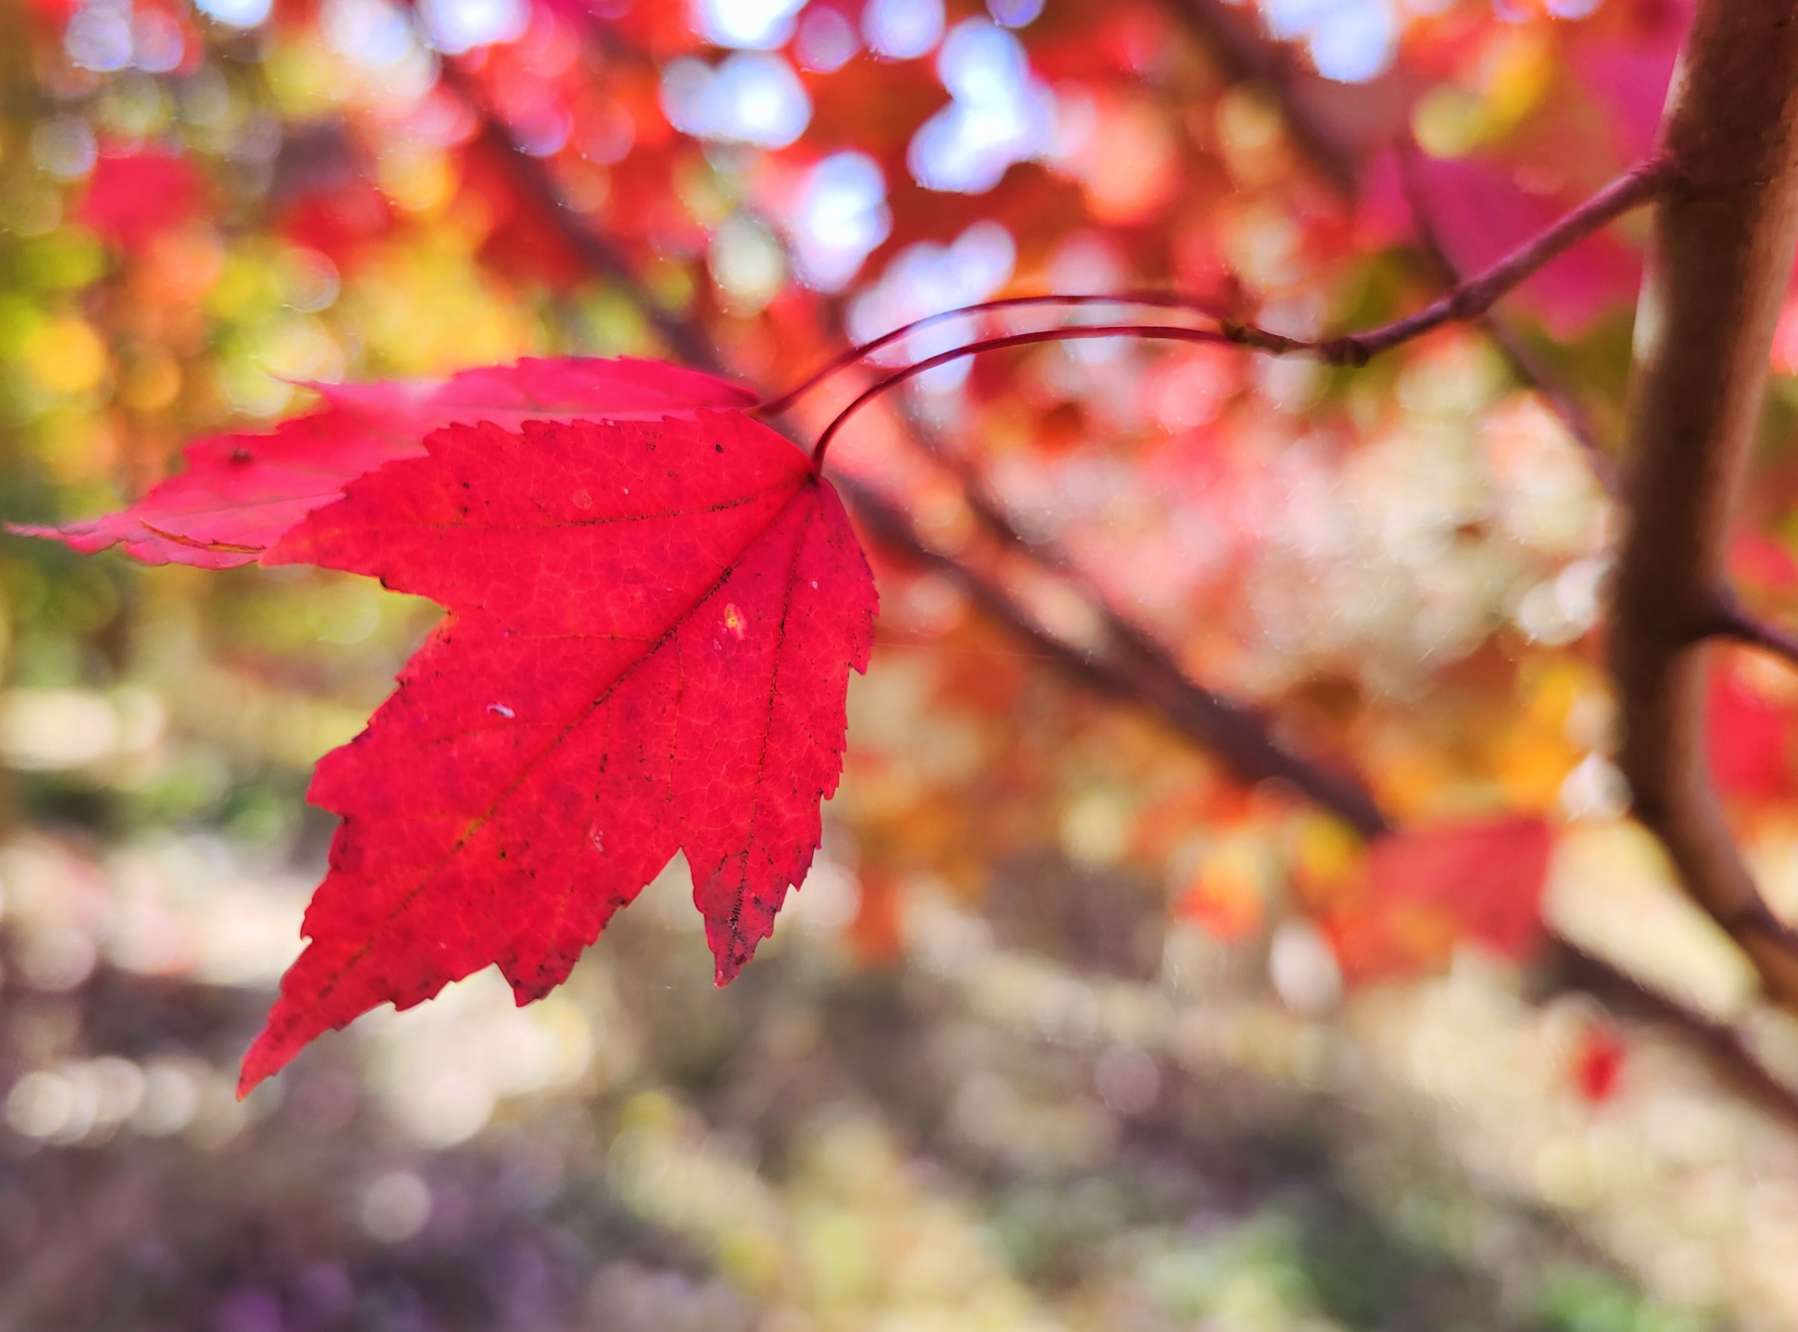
[(1420, 894), (135, 194)]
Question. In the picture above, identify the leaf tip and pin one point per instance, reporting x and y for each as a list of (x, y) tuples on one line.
[(271, 1051)]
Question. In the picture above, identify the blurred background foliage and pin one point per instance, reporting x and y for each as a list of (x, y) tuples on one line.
[(1068, 1028)]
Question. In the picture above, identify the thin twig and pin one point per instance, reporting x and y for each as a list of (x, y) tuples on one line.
[(1157, 300), (1525, 365), (1473, 298), (1732, 621), (1469, 300), (1076, 333)]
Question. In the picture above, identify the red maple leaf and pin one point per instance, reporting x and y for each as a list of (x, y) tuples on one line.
[(1420, 894), (654, 606), (650, 634), (240, 491), (1746, 737), (135, 194)]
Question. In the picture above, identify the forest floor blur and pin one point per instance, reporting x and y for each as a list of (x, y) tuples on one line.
[(995, 1132)]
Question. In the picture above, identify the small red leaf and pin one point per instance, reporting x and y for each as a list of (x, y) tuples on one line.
[(241, 491), (135, 194), (341, 221), (1598, 1063), (877, 932), (1424, 892), (1758, 559), (1747, 737), (650, 634)]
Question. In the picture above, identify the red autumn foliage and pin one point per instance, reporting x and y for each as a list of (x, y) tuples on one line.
[(448, 780), (650, 633), (654, 611), (1749, 736), (1419, 894), (341, 222), (135, 194)]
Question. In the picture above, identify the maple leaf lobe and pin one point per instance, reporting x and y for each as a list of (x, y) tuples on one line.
[(240, 492), (650, 631)]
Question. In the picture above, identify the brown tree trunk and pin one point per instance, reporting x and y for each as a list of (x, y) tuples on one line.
[(1724, 233)]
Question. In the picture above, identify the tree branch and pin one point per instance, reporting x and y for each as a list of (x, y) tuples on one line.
[(1247, 56), (1762, 124), (532, 180), (1157, 672), (1719, 267), (1469, 300), (1229, 732), (1726, 1043)]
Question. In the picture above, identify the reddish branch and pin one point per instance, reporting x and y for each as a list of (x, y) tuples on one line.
[(1725, 235), (1077, 333), (1233, 42), (1524, 363), (1473, 298), (1721, 260), (1158, 300), (1469, 300)]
